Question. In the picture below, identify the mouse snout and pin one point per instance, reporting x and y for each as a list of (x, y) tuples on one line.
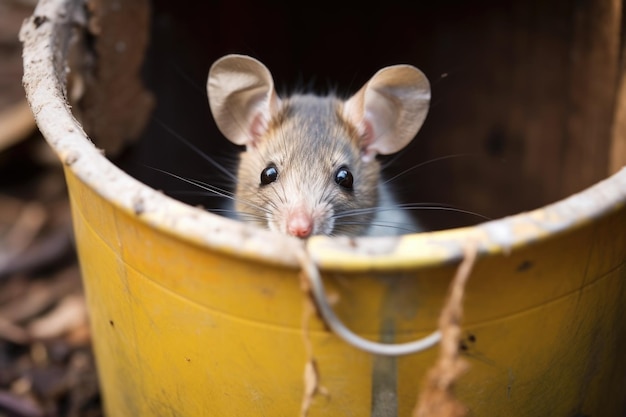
[(300, 224)]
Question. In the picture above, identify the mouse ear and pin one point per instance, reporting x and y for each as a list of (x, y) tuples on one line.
[(241, 97), (389, 109)]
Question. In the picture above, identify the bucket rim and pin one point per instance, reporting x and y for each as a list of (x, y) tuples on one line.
[(46, 36)]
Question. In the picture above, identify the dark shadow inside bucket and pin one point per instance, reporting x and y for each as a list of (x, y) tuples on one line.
[(522, 93)]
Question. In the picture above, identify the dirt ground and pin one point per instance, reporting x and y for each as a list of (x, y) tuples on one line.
[(46, 362)]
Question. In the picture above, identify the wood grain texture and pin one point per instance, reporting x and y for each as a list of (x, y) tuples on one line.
[(108, 93)]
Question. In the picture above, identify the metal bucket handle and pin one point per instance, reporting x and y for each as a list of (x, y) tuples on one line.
[(312, 275)]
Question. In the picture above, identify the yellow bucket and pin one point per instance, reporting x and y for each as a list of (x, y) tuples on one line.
[(193, 314)]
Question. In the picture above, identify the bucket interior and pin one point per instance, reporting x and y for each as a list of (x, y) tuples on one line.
[(523, 93)]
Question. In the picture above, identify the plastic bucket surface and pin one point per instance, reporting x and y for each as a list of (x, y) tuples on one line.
[(193, 314)]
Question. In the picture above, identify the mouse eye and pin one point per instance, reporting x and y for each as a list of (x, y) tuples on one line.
[(269, 175), (344, 178)]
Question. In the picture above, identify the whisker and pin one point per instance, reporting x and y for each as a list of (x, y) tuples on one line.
[(442, 207), (251, 217), (388, 225), (193, 83), (207, 187), (197, 150), (224, 210), (268, 201), (215, 190), (441, 158), (407, 206)]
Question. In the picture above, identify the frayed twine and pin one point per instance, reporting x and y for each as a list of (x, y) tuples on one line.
[(312, 385), (437, 398)]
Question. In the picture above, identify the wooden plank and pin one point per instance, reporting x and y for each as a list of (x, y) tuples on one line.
[(618, 139), (593, 82), (108, 95)]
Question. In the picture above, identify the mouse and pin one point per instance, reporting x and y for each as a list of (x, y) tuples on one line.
[(309, 164)]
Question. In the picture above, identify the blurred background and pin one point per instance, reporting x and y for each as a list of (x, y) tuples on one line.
[(46, 366)]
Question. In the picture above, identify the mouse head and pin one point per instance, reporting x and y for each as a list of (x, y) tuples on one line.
[(381, 118)]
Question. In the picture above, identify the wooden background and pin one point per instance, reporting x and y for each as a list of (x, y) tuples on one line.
[(525, 107)]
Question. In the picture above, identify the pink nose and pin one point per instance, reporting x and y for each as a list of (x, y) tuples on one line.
[(299, 224)]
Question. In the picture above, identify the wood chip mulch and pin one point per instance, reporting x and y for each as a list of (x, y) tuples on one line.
[(46, 361)]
